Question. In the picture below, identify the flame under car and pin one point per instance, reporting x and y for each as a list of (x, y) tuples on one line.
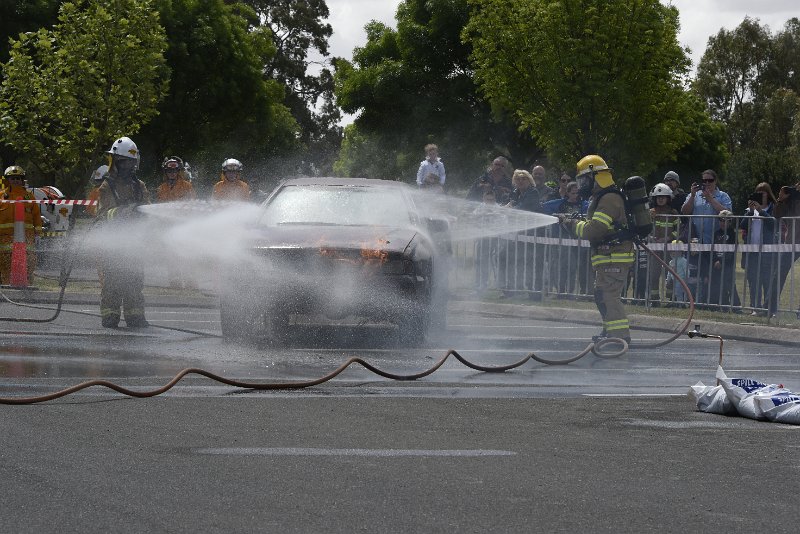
[(335, 248)]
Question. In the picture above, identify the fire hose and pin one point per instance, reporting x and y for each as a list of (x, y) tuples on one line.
[(596, 348)]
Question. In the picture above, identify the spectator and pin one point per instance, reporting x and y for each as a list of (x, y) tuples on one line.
[(569, 259), (495, 178), (787, 211), (432, 164), (705, 199), (230, 185), (665, 230), (562, 186), (546, 193), (679, 264), (722, 290), (431, 184), (758, 228), (673, 181), (520, 255)]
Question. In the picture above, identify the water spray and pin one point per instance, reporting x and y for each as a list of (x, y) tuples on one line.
[(196, 240)]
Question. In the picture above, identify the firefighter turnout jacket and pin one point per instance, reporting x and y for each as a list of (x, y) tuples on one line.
[(32, 225), (606, 216)]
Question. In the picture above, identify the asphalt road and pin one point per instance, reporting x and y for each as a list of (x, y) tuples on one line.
[(602, 445)]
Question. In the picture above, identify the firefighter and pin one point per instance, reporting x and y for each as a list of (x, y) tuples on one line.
[(123, 277), (665, 230), (175, 188), (14, 178), (97, 177), (231, 186), (611, 250)]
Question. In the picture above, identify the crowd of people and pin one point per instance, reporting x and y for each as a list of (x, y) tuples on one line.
[(695, 232)]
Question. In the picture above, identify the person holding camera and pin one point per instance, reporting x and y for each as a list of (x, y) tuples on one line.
[(758, 228), (495, 179), (705, 199)]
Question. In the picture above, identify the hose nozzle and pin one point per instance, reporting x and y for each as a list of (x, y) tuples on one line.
[(696, 332)]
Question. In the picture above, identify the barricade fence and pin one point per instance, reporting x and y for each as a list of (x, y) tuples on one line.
[(736, 264)]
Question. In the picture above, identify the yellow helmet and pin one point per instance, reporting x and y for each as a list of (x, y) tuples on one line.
[(597, 168)]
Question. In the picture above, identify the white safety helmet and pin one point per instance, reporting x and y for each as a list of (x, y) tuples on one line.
[(99, 174), (232, 164), (125, 147), (661, 190)]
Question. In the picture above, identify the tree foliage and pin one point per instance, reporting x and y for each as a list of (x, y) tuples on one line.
[(748, 78), (586, 76), (68, 92), (24, 16), (219, 104), (413, 86)]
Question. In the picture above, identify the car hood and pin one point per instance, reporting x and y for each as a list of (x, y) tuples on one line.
[(389, 239)]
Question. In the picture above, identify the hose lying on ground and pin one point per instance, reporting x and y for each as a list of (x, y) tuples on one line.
[(596, 348)]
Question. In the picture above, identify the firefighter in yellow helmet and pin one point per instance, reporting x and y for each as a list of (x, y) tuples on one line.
[(14, 178), (122, 285), (611, 257)]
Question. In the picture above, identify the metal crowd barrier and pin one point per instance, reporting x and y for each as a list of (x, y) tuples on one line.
[(733, 276)]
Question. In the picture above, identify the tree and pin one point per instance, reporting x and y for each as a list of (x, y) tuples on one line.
[(414, 85), (730, 67), (16, 18), (68, 92), (301, 64), (219, 104), (24, 16), (585, 76)]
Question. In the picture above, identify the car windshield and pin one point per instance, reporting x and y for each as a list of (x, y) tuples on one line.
[(337, 205)]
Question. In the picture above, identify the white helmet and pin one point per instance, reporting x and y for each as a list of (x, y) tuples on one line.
[(231, 164), (661, 190), (125, 147), (99, 174)]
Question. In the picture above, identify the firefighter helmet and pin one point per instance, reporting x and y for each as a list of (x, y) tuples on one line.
[(596, 167), (124, 147), (232, 164), (99, 174), (661, 190), (14, 170), (172, 162)]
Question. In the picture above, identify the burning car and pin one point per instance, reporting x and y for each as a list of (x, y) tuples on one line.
[(337, 248)]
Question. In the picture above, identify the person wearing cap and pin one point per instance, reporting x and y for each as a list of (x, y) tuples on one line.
[(14, 178), (758, 229), (722, 286), (673, 181)]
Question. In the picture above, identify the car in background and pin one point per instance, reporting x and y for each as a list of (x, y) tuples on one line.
[(337, 248)]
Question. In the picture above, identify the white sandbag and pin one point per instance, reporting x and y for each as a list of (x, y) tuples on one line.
[(781, 407), (743, 393), (711, 399)]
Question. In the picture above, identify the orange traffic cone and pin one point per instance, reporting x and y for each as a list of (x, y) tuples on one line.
[(19, 251)]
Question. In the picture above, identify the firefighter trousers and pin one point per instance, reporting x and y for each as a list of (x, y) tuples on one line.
[(121, 290), (609, 281)]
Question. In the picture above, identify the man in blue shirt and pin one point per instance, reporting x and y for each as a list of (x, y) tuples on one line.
[(705, 199)]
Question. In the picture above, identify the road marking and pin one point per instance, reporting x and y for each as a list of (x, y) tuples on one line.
[(385, 453), (633, 394)]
